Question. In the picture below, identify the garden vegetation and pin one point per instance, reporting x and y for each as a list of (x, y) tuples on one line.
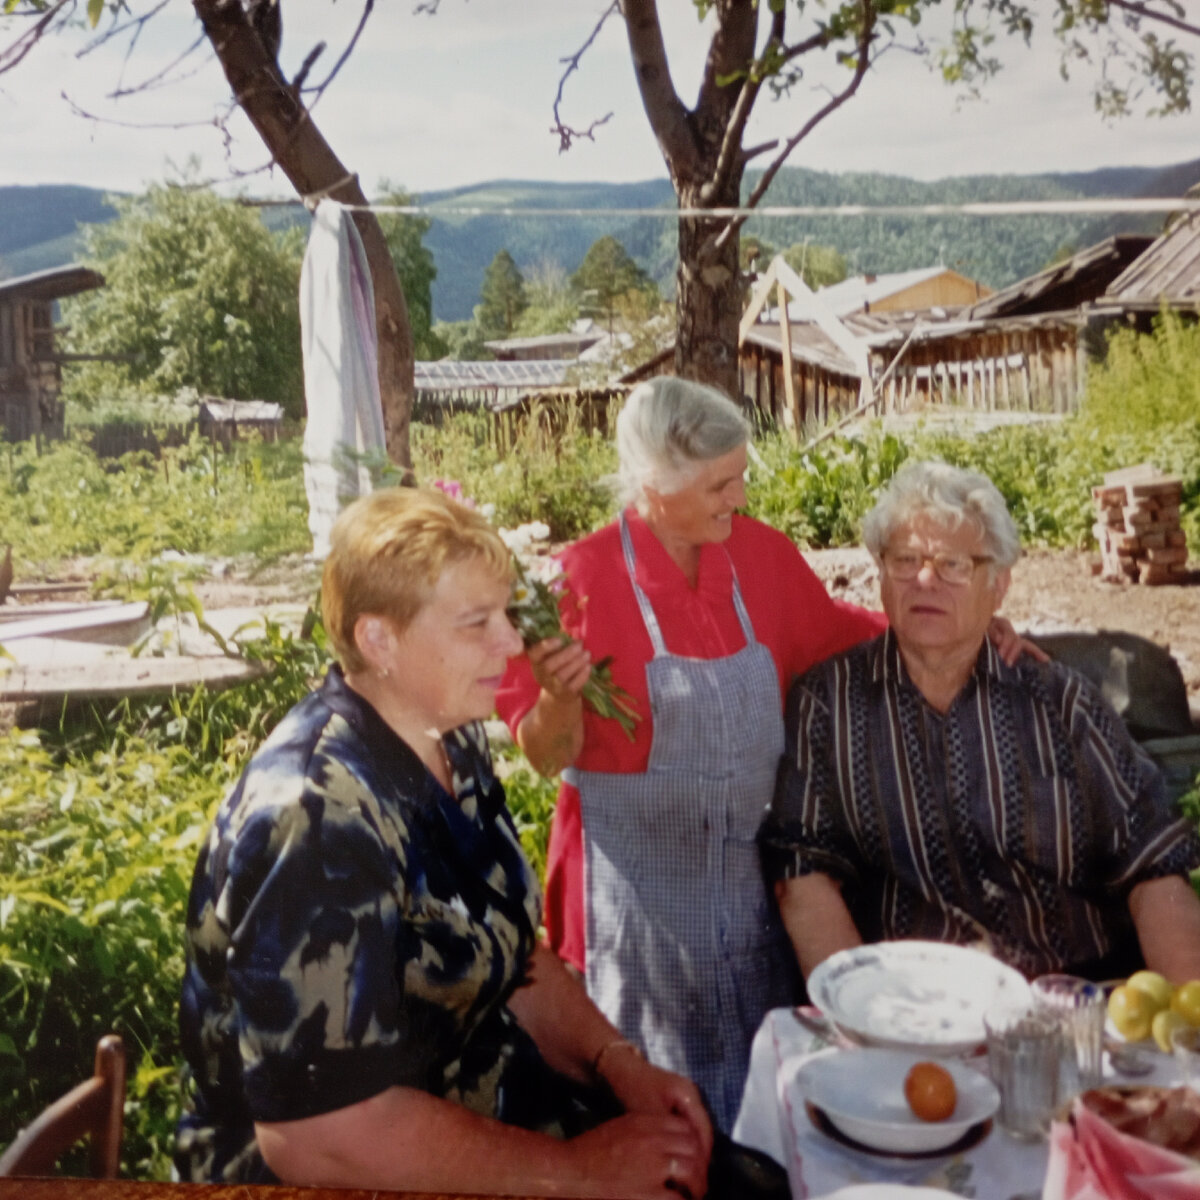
[(102, 811)]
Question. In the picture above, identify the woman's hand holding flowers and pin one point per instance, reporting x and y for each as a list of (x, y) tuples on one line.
[(561, 667)]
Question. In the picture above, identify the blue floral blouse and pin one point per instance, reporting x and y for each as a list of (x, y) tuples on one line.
[(352, 927)]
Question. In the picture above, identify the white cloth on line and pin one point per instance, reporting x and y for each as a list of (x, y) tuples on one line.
[(344, 429)]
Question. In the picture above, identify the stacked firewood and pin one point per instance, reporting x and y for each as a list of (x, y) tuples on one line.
[(1137, 526)]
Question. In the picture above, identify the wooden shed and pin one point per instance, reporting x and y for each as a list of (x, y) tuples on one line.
[(225, 421), (30, 363)]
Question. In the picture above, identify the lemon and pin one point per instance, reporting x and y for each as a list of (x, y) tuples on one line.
[(1154, 985), (1186, 1001), (1165, 1021), (1132, 1012)]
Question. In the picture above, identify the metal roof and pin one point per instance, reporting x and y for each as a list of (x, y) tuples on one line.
[(579, 341), (1169, 270), (447, 375), (1069, 283), (54, 284), (241, 410)]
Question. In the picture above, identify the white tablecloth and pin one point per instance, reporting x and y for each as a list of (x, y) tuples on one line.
[(771, 1120)]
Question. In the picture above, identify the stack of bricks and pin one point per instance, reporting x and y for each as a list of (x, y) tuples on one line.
[(1137, 526)]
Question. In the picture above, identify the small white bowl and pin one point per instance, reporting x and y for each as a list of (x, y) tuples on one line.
[(862, 1094)]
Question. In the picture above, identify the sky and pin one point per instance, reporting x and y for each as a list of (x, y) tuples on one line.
[(466, 95)]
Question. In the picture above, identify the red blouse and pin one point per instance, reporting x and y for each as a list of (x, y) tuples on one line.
[(792, 614)]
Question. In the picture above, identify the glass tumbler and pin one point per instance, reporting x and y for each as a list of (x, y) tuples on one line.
[(1080, 1009), (1025, 1049)]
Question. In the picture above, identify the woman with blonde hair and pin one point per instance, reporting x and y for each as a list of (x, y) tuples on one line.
[(366, 1002)]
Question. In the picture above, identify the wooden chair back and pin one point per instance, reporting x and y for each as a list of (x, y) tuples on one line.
[(95, 1109)]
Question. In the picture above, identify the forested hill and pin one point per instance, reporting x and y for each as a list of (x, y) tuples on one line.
[(38, 224)]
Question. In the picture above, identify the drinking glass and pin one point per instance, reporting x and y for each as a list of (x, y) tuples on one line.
[(1080, 1009), (1185, 1045), (1025, 1050)]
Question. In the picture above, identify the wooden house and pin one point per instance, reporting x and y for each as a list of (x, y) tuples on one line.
[(30, 363), (902, 291), (1167, 275)]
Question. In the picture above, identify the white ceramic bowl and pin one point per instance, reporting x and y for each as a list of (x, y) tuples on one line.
[(861, 1092), (914, 995)]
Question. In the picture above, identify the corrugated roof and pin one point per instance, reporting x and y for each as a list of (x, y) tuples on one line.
[(513, 345), (241, 410), (54, 284), (1067, 284), (1169, 270), (447, 375)]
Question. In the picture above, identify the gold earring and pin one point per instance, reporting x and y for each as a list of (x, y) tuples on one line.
[(382, 673)]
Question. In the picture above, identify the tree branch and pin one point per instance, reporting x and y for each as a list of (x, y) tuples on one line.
[(732, 156), (862, 65), (567, 134), (319, 89), (13, 53), (1152, 14), (665, 111)]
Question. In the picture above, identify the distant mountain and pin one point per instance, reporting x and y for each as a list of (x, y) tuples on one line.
[(38, 225)]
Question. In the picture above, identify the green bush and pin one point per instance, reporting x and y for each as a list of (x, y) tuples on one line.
[(65, 502), (96, 856), (560, 481), (100, 824)]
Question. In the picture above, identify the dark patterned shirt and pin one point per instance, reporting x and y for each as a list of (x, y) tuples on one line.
[(1019, 819), (352, 927)]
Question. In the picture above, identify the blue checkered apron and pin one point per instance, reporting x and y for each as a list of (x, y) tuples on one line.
[(685, 949)]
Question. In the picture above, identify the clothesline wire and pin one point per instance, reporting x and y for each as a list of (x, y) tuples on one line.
[(987, 208)]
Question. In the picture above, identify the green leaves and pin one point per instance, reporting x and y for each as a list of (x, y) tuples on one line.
[(199, 293), (95, 10)]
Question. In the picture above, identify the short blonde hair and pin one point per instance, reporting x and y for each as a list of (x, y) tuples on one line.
[(387, 552)]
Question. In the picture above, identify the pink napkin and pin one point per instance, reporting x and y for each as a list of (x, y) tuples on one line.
[(1090, 1160)]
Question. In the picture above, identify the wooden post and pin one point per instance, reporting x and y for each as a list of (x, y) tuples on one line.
[(791, 412)]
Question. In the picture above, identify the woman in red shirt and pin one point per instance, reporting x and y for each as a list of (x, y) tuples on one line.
[(654, 888)]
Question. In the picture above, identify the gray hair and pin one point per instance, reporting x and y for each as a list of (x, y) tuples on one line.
[(948, 496), (667, 428)]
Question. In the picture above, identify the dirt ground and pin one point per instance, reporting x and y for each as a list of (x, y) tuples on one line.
[(1055, 590)]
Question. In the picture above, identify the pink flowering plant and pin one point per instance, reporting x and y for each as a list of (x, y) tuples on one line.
[(538, 589)]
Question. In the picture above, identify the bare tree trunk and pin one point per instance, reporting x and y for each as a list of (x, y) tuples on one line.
[(311, 166), (708, 301)]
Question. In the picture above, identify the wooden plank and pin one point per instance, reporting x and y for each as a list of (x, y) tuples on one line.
[(120, 676), (791, 411), (115, 623)]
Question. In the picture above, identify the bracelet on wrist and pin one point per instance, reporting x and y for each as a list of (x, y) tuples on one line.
[(615, 1044)]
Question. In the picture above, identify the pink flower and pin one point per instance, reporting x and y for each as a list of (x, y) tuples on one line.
[(454, 490)]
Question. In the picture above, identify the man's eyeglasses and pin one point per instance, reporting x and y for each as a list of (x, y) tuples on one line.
[(955, 569)]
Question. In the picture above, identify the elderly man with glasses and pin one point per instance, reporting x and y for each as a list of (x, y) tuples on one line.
[(930, 791)]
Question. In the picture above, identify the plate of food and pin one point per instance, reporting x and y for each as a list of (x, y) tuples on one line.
[(1165, 1117), (923, 996), (892, 1101)]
